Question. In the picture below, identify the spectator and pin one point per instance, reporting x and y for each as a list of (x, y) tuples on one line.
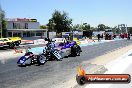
[(110, 37), (102, 36), (106, 36), (114, 35), (122, 36), (128, 36), (98, 37)]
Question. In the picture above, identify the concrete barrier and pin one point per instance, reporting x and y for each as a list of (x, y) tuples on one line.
[(40, 41), (86, 41), (27, 41)]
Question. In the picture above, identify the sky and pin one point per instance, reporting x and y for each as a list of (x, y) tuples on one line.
[(93, 12)]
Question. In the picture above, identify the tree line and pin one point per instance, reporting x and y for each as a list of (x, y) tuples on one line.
[(3, 24), (61, 22)]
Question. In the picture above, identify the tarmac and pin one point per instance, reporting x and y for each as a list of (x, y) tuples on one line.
[(61, 74)]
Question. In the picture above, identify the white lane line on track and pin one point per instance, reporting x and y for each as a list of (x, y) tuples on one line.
[(117, 66)]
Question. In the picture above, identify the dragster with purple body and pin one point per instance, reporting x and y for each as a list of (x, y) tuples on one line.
[(67, 48)]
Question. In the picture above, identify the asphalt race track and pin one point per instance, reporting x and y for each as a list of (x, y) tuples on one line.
[(53, 73)]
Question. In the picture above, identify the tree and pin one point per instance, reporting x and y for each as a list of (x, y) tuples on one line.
[(86, 27), (83, 27), (101, 27), (116, 30), (4, 29), (3, 23), (60, 22), (77, 27), (130, 30), (107, 27), (93, 29), (51, 25), (43, 27)]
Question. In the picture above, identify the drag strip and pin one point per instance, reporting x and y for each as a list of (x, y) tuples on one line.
[(54, 73)]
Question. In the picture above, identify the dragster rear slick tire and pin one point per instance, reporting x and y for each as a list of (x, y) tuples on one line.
[(75, 50)]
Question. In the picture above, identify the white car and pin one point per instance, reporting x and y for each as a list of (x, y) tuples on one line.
[(3, 44)]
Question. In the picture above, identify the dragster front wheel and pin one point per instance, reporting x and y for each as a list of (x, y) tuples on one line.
[(41, 59), (81, 80)]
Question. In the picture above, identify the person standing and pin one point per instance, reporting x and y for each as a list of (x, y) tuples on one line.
[(128, 37), (102, 36), (98, 37)]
